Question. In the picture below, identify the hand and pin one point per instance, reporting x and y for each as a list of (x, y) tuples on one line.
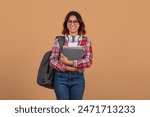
[(69, 68), (63, 59)]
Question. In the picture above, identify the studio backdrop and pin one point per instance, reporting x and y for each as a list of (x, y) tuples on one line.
[(120, 35)]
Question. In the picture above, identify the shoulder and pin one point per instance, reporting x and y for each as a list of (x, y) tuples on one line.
[(85, 41), (85, 37), (59, 37)]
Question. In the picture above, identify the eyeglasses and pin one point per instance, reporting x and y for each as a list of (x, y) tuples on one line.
[(74, 22)]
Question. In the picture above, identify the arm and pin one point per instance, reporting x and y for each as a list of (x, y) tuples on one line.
[(58, 64), (53, 59), (86, 61), (67, 62), (69, 68)]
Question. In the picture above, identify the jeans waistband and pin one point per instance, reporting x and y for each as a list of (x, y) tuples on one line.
[(71, 72)]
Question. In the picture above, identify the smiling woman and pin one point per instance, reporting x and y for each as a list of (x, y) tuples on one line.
[(74, 24), (69, 83)]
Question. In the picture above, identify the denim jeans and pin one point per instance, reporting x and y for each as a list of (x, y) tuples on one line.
[(69, 85)]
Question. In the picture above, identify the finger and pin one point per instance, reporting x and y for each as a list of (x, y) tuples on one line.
[(62, 55)]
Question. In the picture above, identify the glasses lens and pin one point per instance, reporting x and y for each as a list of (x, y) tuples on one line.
[(70, 22)]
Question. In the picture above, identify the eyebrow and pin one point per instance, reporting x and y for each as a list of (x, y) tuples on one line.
[(72, 20)]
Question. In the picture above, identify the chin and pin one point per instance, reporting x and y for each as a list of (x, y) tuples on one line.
[(73, 31)]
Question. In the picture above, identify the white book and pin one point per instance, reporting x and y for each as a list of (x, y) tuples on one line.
[(73, 53)]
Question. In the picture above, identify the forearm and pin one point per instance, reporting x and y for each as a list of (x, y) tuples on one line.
[(69, 68), (70, 63), (83, 63), (57, 65)]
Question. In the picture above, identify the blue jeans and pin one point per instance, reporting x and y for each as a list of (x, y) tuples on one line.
[(69, 85)]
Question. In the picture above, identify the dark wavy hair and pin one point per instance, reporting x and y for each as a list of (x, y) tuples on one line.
[(81, 30)]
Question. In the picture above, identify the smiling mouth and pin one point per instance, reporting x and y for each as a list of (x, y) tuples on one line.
[(72, 28)]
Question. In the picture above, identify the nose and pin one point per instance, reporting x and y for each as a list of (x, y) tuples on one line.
[(72, 23)]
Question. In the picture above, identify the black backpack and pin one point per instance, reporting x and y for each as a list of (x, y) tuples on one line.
[(46, 72)]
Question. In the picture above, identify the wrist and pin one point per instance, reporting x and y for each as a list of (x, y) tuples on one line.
[(69, 62), (69, 68)]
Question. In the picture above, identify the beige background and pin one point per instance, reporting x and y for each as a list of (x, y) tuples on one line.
[(120, 35)]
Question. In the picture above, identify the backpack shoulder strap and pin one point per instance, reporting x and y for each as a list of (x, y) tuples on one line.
[(61, 40)]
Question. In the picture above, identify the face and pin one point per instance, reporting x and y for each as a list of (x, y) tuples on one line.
[(73, 25)]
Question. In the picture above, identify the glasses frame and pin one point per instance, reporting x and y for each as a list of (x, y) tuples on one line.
[(74, 22)]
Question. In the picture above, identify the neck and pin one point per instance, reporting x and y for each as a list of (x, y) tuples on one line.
[(73, 34)]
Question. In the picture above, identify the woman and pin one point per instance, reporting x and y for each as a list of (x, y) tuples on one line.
[(69, 80)]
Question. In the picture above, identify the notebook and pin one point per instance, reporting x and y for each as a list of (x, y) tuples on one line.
[(73, 53)]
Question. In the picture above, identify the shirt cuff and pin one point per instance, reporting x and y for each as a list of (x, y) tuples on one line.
[(64, 68), (75, 63)]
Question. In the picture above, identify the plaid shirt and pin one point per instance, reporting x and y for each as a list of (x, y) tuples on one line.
[(84, 62)]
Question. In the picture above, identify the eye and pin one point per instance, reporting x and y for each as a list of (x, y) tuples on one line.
[(75, 21), (70, 21)]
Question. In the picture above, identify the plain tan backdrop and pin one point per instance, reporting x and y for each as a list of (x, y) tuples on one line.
[(120, 35)]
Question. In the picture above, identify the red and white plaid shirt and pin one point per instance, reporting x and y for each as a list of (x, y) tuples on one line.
[(84, 62)]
